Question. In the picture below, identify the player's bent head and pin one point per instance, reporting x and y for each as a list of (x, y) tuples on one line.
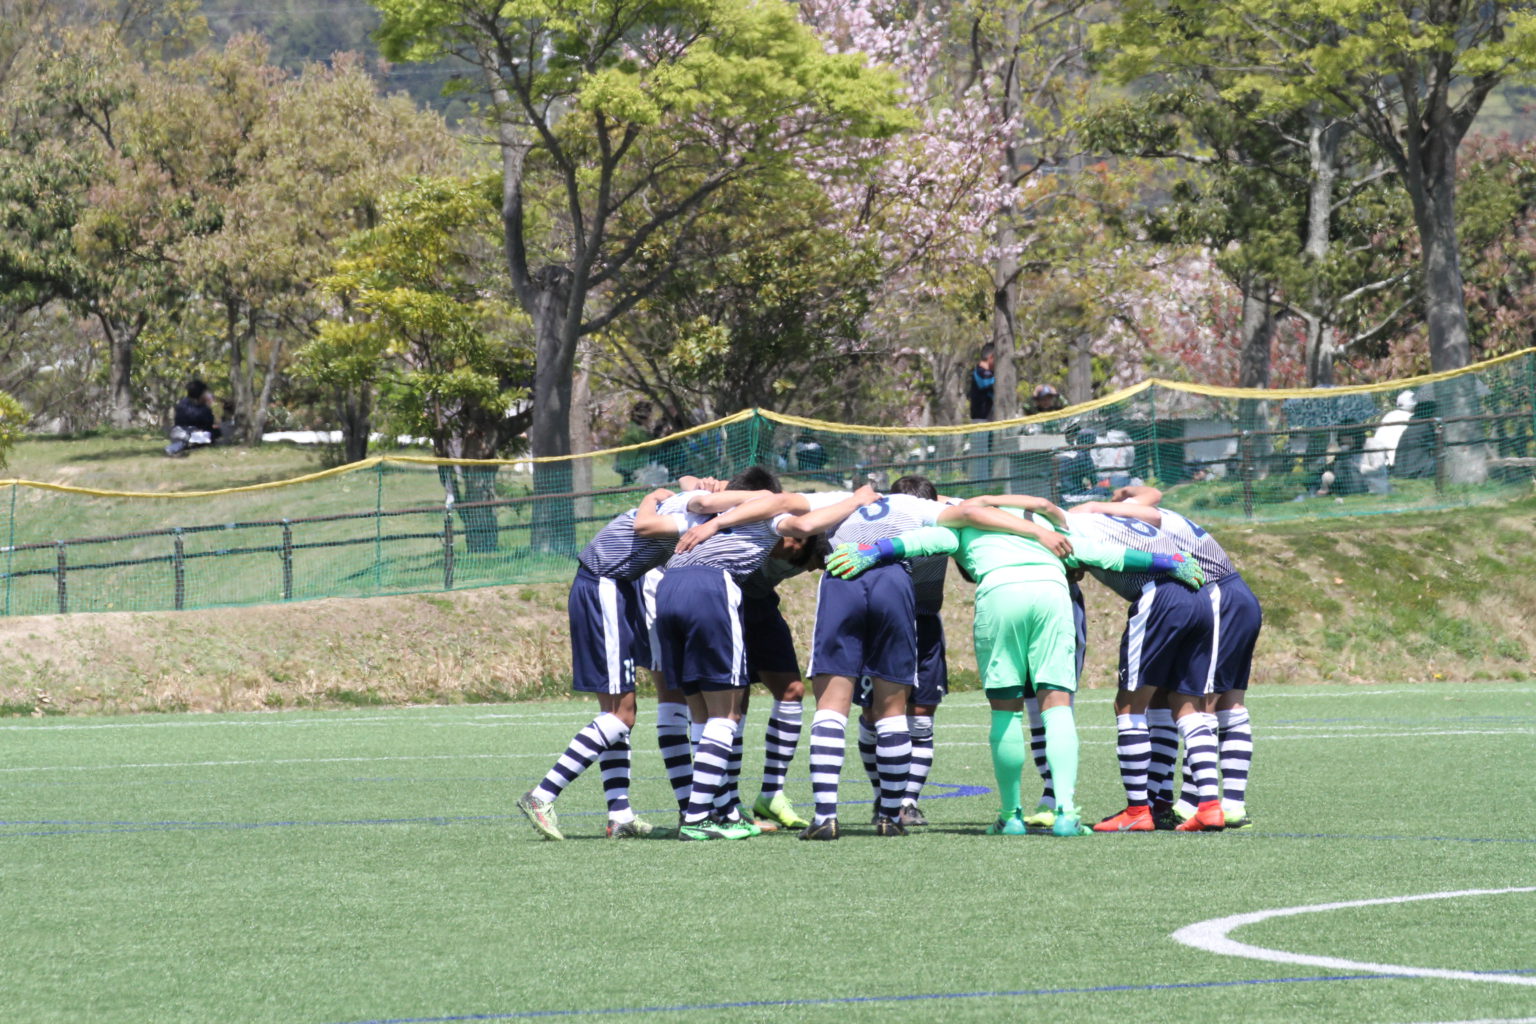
[(917, 486), (754, 478)]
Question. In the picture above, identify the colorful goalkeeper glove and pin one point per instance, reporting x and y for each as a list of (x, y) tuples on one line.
[(849, 560), (1181, 567)]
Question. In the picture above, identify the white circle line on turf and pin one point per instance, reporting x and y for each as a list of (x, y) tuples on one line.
[(1486, 1020), (1212, 936)]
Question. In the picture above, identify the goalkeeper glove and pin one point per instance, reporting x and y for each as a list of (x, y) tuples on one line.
[(1181, 567), (849, 560)]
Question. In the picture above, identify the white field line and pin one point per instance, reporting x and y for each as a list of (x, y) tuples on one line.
[(646, 754), (1212, 936), (969, 699)]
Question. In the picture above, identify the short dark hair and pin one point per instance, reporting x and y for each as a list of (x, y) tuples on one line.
[(917, 486), (196, 388), (754, 478), (987, 350)]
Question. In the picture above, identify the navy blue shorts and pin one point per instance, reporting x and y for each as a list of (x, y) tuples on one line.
[(770, 644), (932, 668), (866, 626), (699, 629), (1167, 640), (608, 634), (1238, 618), (1079, 625)]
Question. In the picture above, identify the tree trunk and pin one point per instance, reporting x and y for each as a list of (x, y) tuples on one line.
[(581, 439), (240, 384), (355, 411), (120, 342), (1253, 370), (1432, 181), (1080, 368), (550, 432), (1324, 137)]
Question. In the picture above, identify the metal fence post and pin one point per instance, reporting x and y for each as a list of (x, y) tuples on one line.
[(287, 557), (448, 548), (1245, 467), (1439, 455), (60, 580), (179, 561)]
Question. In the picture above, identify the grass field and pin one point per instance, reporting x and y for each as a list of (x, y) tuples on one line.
[(348, 866)]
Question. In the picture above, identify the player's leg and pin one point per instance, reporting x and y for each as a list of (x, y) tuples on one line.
[(1240, 619), (1044, 815), (893, 752), (829, 726), (1152, 650), (602, 636), (672, 715), (614, 763), (1005, 739), (932, 686), (780, 740), (837, 660), (711, 761)]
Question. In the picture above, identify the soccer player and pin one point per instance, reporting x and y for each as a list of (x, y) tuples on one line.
[(863, 628), (1164, 653), (1239, 618), (609, 638), (771, 661), (699, 628), (1024, 635)]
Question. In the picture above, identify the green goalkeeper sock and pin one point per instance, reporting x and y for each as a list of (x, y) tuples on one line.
[(1061, 753), (1008, 756)]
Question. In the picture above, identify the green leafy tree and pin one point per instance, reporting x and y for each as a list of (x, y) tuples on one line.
[(423, 329), (624, 121), (1410, 77)]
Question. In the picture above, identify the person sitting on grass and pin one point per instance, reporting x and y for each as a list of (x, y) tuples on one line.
[(194, 425)]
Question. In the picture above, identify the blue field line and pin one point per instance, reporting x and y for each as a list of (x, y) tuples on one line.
[(863, 1000)]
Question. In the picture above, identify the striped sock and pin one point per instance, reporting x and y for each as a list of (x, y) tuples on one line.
[(868, 739), (615, 764), (710, 761), (921, 727), (1200, 756), (783, 735), (1133, 747), (729, 797), (1164, 738), (676, 751), (1234, 738), (596, 736), (893, 757), (828, 740), (1037, 751)]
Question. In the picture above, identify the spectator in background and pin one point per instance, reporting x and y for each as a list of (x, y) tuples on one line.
[(1381, 446), (1046, 399), (194, 424), (981, 391)]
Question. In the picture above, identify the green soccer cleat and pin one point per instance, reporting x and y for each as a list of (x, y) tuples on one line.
[(1069, 823), (742, 823), (541, 815), (778, 809), (1042, 818), (1237, 817), (712, 828), (632, 829), (1009, 825)]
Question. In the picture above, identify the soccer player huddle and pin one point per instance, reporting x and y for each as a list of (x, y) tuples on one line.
[(685, 584)]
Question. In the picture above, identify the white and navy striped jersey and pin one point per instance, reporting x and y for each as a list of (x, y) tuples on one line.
[(889, 516), (739, 550), (618, 553), (1127, 533), (1214, 561)]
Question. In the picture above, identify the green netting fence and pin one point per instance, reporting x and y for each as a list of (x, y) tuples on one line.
[(402, 524)]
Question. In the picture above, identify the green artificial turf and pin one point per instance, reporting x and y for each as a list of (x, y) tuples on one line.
[(368, 865)]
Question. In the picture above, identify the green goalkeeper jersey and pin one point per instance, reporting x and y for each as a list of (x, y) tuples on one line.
[(993, 558)]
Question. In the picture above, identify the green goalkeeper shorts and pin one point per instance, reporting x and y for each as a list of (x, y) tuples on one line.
[(1025, 637)]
